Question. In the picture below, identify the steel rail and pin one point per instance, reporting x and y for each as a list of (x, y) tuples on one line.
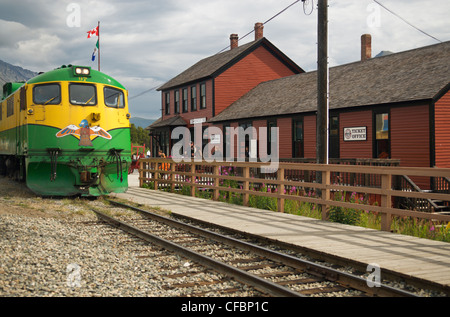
[(260, 284), (316, 269)]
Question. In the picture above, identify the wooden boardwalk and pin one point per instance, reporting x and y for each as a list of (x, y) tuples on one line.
[(422, 258)]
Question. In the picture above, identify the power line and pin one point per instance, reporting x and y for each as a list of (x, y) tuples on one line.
[(398, 16), (273, 17), (144, 92)]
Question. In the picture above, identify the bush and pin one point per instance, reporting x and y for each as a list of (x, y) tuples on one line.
[(348, 216)]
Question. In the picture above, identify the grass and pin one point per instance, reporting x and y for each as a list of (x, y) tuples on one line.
[(420, 228)]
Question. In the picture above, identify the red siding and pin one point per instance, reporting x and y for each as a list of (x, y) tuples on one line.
[(356, 149), (310, 136), (442, 134), (285, 135), (257, 67), (410, 135)]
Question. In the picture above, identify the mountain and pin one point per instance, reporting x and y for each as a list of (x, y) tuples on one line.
[(11, 73), (141, 122)]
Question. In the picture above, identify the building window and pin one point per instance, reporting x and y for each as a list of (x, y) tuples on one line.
[(226, 141), (185, 100), (334, 137), (203, 96), (193, 98), (270, 124), (297, 139), (177, 101), (382, 144), (167, 103)]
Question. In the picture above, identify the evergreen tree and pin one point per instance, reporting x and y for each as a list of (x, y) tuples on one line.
[(139, 136)]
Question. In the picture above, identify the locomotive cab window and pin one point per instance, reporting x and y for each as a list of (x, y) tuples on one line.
[(49, 94), (114, 98), (83, 95)]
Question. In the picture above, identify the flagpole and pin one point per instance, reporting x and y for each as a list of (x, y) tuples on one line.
[(98, 45)]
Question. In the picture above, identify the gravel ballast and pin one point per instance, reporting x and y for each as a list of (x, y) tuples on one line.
[(54, 248)]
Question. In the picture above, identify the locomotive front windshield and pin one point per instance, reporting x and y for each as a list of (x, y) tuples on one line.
[(83, 94), (47, 94), (114, 98)]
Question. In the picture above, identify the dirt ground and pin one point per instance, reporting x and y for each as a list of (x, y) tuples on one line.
[(17, 199)]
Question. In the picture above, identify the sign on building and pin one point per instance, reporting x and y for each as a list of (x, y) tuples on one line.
[(355, 134)]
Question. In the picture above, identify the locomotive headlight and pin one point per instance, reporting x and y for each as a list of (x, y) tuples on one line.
[(82, 71)]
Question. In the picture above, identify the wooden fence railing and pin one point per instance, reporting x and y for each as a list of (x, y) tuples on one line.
[(167, 173)]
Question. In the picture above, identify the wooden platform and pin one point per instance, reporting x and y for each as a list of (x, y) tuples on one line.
[(425, 259)]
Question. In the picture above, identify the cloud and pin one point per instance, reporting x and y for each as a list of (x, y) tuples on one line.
[(146, 43)]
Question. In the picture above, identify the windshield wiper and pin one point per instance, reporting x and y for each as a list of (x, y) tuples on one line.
[(89, 100), (50, 100)]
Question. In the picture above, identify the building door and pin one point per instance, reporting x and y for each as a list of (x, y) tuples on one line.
[(244, 146), (335, 140)]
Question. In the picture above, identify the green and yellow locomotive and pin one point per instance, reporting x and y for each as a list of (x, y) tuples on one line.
[(66, 133)]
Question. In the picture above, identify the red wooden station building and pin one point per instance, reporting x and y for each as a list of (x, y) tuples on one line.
[(395, 106)]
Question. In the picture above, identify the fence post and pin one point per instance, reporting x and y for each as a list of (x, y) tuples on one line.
[(216, 182), (157, 165), (172, 177), (141, 173), (193, 178), (326, 180), (246, 184), (281, 187), (386, 202)]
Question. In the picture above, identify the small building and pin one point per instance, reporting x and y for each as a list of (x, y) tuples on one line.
[(206, 89)]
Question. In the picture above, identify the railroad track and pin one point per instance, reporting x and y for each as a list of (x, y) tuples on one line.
[(270, 272)]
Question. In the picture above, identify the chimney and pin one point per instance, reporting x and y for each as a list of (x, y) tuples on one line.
[(366, 47), (234, 41), (259, 31)]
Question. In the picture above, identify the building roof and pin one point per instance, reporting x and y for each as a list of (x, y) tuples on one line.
[(419, 74), (214, 65), (171, 122)]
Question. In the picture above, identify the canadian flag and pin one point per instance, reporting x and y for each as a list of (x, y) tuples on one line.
[(93, 32)]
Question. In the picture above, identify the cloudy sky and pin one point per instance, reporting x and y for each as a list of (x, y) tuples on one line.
[(144, 43)]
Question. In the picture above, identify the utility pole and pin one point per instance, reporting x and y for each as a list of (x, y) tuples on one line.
[(322, 84)]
